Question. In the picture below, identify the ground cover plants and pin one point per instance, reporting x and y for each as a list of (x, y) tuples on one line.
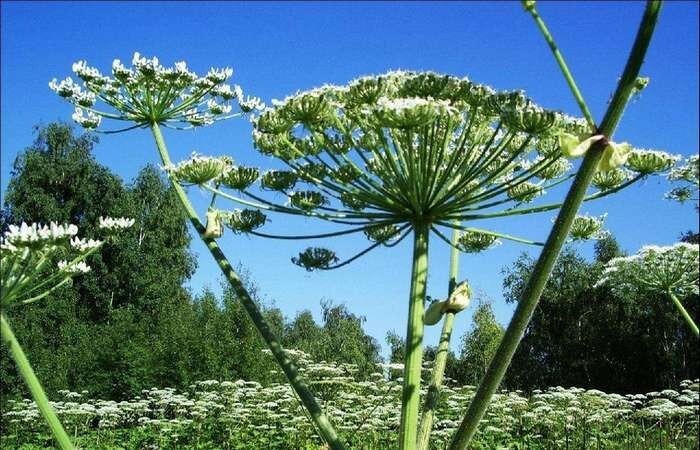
[(387, 156), (242, 415)]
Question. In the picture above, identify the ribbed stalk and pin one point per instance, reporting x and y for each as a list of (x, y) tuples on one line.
[(410, 397), (543, 268), (433, 397), (685, 314), (319, 418), (27, 374)]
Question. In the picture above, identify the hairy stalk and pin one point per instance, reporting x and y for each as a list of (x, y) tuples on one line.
[(689, 320), (410, 397), (433, 397), (557, 237), (319, 418), (27, 373)]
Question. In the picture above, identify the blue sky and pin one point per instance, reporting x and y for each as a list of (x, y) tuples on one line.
[(278, 48)]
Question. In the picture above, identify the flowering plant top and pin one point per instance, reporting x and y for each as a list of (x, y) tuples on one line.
[(671, 269), (148, 93), (28, 254)]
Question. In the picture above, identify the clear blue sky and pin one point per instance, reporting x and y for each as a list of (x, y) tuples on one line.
[(278, 48)]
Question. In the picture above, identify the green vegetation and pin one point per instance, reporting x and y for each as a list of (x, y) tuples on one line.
[(245, 415)]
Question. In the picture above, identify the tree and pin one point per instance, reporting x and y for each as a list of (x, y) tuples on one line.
[(340, 338), (97, 333), (588, 337), (478, 345)]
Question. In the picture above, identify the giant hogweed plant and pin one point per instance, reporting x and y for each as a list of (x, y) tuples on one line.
[(36, 260), (148, 95), (672, 271), (385, 156)]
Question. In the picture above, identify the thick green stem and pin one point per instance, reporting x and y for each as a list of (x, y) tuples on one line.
[(557, 237), (685, 314), (562, 65), (410, 397), (319, 418), (433, 396), (27, 373)]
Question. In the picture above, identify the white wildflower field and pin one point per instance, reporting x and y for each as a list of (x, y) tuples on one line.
[(241, 414)]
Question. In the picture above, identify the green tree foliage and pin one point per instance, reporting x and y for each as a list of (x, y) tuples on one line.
[(582, 336), (340, 338), (478, 346), (92, 335)]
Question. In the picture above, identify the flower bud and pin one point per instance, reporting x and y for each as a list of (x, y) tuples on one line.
[(614, 155), (315, 258), (434, 313), (215, 224), (459, 299)]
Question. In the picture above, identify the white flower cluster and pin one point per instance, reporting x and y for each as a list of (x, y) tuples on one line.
[(370, 407), (655, 269), (199, 169), (115, 224), (37, 234), (78, 267), (83, 245), (27, 249), (148, 93), (688, 176), (587, 227)]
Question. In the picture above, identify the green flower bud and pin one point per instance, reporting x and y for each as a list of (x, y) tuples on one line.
[(278, 180), (239, 177), (647, 162), (381, 233), (307, 200), (215, 224), (525, 192), (315, 258), (352, 201), (312, 171), (587, 227), (475, 242), (347, 173), (554, 169), (610, 179), (245, 220), (199, 169)]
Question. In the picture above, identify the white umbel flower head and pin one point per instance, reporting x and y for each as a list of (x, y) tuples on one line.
[(86, 119), (148, 94), (587, 227), (83, 245), (655, 269), (37, 234), (79, 267), (115, 224)]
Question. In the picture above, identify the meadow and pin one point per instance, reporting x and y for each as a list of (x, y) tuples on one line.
[(240, 414)]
